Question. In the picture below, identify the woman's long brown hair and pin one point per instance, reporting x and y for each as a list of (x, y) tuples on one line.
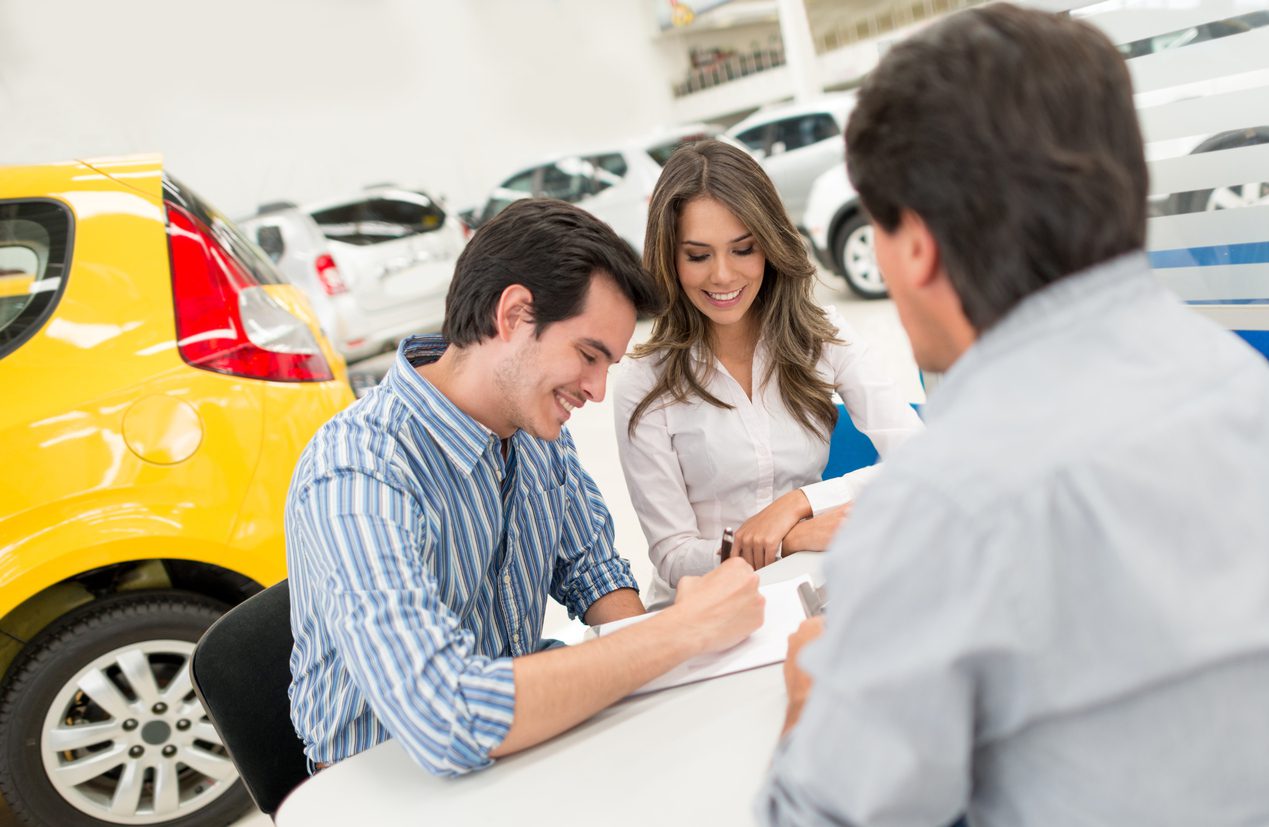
[(793, 326)]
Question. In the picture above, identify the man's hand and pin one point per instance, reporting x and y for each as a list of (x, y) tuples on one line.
[(758, 538), (796, 682), (723, 607), (816, 533)]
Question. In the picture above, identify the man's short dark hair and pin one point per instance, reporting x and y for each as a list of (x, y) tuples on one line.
[(551, 248), (1012, 134)]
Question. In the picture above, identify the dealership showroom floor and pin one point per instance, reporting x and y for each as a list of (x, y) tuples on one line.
[(217, 225)]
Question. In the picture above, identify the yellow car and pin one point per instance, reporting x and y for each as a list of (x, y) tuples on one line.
[(159, 380)]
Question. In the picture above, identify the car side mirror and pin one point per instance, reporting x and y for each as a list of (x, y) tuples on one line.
[(270, 241)]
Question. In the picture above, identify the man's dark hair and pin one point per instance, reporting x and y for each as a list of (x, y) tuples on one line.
[(551, 248), (1012, 134)]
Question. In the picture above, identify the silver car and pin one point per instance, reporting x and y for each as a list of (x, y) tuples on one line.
[(613, 184), (376, 267)]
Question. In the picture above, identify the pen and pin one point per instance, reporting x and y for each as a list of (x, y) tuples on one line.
[(724, 551)]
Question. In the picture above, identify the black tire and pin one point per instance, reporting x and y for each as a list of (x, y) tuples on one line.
[(153, 631), (852, 251), (1203, 200)]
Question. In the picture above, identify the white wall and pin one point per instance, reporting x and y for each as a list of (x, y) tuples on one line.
[(273, 99)]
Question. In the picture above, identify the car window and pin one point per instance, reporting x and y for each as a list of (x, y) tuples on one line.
[(519, 183), (570, 179), (609, 169), (376, 220), (34, 258), (269, 239), (339, 223), (507, 192), (805, 130), (662, 152), (755, 138)]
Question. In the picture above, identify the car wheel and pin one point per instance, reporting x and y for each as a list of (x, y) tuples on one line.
[(99, 724), (856, 259), (1237, 195)]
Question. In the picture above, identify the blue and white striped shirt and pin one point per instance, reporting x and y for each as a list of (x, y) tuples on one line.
[(420, 563)]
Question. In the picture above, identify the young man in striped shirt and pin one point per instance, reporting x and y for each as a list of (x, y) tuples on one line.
[(428, 524)]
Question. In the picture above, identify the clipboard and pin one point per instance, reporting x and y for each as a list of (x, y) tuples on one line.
[(814, 601)]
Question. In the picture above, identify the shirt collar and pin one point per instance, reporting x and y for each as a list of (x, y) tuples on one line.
[(1052, 310), (461, 437), (708, 359)]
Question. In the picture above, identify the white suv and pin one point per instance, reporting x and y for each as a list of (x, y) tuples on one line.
[(376, 267), (612, 184), (796, 143), (840, 233)]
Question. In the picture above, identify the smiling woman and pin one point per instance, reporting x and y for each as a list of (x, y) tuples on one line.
[(724, 416)]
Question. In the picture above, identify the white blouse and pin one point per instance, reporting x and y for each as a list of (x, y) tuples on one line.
[(693, 468)]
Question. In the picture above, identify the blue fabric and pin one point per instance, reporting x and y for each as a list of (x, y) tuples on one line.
[(1259, 339), (849, 449), (420, 563)]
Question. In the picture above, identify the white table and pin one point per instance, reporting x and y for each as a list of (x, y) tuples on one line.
[(694, 754)]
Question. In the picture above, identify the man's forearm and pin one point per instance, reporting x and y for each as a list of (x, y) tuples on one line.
[(615, 605), (559, 688)]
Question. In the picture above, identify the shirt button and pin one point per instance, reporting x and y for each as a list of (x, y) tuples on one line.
[(506, 579)]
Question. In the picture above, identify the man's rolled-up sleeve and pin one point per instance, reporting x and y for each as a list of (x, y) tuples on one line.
[(403, 648)]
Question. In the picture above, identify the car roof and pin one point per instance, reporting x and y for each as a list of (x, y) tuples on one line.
[(142, 173), (376, 191), (640, 143), (836, 102)]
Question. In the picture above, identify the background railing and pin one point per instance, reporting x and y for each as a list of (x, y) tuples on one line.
[(848, 30), (729, 68), (828, 34)]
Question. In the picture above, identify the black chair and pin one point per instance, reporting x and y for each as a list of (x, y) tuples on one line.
[(241, 671)]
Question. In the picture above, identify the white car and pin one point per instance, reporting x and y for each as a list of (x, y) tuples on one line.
[(796, 143), (376, 267), (1149, 103), (612, 184), (840, 233)]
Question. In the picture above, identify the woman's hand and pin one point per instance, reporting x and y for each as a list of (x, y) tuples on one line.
[(758, 539), (816, 533)]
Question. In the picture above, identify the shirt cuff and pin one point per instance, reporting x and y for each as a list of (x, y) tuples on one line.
[(828, 494), (485, 706), (596, 582)]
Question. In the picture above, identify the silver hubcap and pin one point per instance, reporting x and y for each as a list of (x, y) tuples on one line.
[(860, 261), (126, 740), (1246, 195)]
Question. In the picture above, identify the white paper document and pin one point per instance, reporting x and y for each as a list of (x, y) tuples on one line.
[(783, 612)]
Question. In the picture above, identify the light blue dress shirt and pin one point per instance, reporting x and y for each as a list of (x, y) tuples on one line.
[(420, 563), (1052, 608)]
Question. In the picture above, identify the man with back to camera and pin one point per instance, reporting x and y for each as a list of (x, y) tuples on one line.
[(427, 524), (1053, 607)]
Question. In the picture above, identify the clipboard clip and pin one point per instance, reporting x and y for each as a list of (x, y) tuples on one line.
[(814, 601), (724, 551)]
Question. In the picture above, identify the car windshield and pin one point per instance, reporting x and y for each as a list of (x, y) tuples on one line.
[(661, 152), (380, 218)]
